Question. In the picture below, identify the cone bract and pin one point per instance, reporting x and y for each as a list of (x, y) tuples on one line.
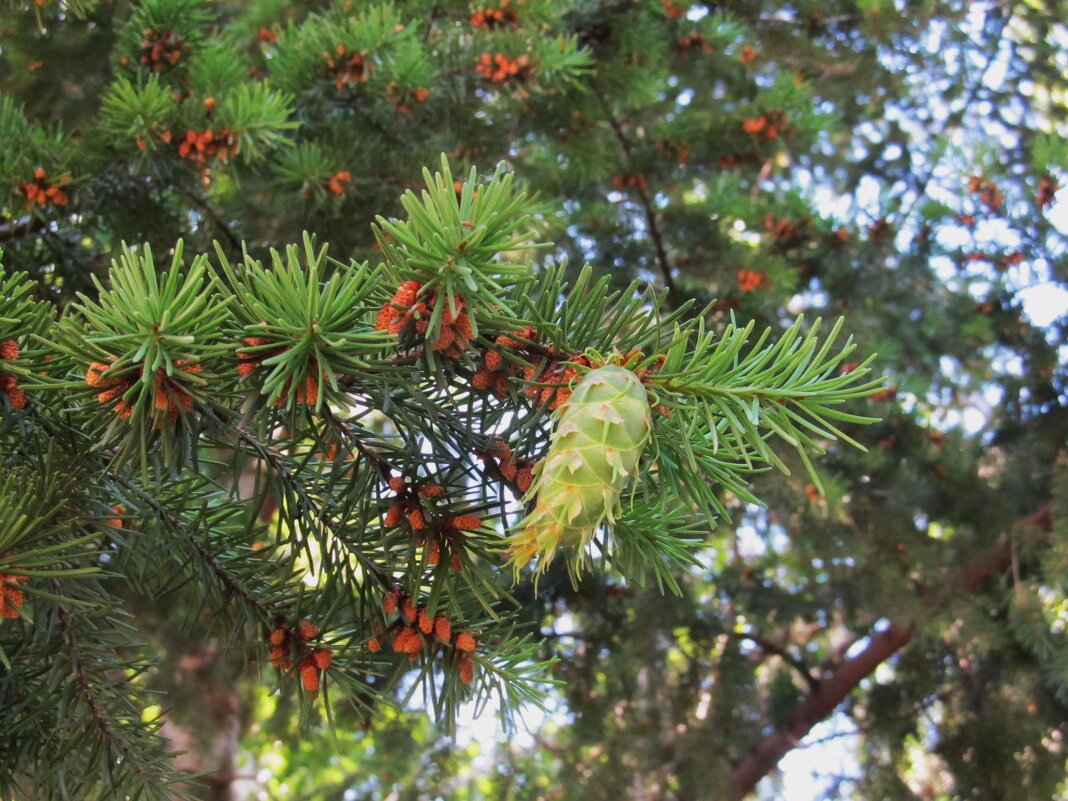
[(594, 450)]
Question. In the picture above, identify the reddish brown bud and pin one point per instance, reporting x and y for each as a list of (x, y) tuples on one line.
[(493, 360), (426, 623), (416, 519), (466, 522), (393, 516), (16, 397), (9, 350), (465, 641), (509, 470), (387, 315), (482, 380), (94, 374), (409, 610), (442, 628), (465, 669), (309, 677), (524, 478), (11, 597), (308, 394), (407, 641), (322, 657)]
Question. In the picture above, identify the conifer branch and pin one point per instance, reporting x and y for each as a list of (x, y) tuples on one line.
[(204, 206), (274, 459), (382, 465), (231, 583), (448, 327), (153, 772), (958, 117), (82, 677)]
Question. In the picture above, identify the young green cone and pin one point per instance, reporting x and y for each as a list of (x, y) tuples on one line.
[(594, 450)]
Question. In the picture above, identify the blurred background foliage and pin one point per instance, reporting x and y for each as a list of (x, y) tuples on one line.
[(896, 162)]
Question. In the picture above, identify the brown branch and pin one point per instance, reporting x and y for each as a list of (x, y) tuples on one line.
[(838, 654), (834, 688), (646, 201), (817, 705), (383, 465)]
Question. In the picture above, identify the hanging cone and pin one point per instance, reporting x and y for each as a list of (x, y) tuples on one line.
[(594, 451)]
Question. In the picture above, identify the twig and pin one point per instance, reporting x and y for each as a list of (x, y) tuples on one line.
[(973, 93), (822, 23), (205, 207), (81, 675), (21, 227), (797, 664), (435, 12), (920, 707), (78, 664), (765, 171), (275, 461), (384, 467), (228, 580), (650, 214)]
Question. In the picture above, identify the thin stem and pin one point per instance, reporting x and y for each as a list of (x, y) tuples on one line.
[(954, 119), (78, 663), (21, 227), (383, 465), (227, 579), (275, 461), (797, 664), (100, 720), (205, 207), (744, 391), (650, 214)]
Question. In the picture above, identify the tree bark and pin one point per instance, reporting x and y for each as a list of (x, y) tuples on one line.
[(205, 724)]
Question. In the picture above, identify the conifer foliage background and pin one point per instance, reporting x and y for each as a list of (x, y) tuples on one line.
[(259, 484)]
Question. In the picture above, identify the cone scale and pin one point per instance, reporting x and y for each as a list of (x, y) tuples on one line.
[(593, 453)]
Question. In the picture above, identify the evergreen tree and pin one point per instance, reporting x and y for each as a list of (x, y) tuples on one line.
[(258, 480)]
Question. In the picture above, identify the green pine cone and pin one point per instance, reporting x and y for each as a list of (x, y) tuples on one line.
[(594, 450)]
